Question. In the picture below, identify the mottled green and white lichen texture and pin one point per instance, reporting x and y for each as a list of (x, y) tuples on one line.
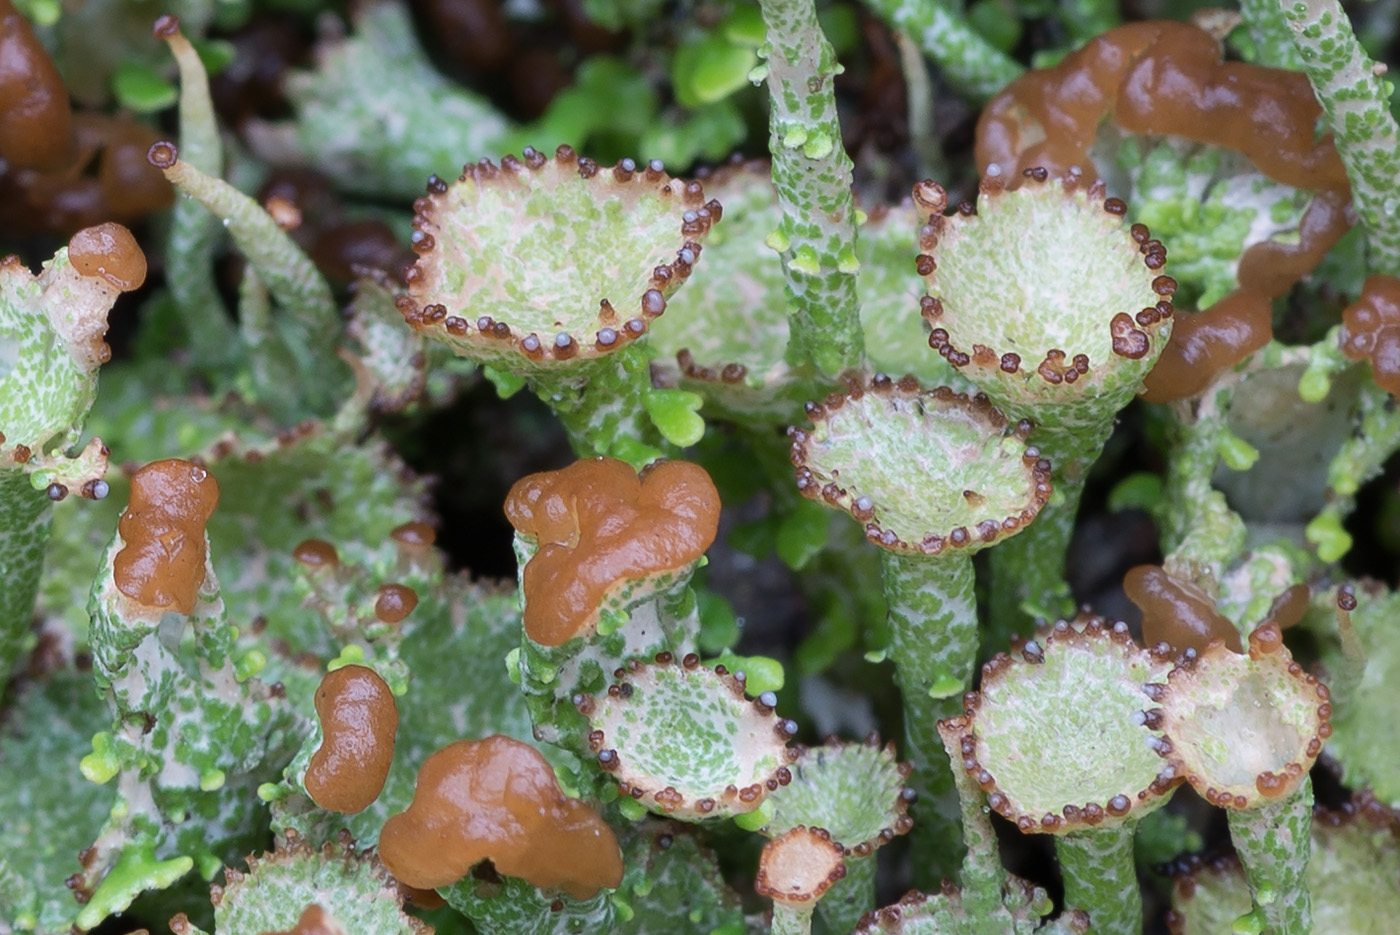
[(854, 791), (1046, 294), (917, 466), (1351, 874), (551, 259), (1060, 731), (685, 742)]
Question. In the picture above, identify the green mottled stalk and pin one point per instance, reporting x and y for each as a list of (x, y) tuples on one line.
[(1356, 99), (25, 517), (1197, 524), (1101, 879), (850, 897), (1029, 568), (194, 232), (792, 918), (984, 877), (309, 323), (1273, 40), (812, 173), (933, 642), (599, 403), (1361, 457), (1273, 843), (968, 62)]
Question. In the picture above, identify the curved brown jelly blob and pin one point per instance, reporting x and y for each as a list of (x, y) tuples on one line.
[(358, 721), (109, 251), (1158, 78), (415, 535), (1206, 343), (598, 524), (498, 798), (1273, 268), (36, 128), (315, 553), (1177, 612), (1371, 330), (161, 563), (1288, 608), (313, 921), (395, 602), (338, 250)]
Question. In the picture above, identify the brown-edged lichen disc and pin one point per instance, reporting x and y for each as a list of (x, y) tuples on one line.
[(605, 535), (161, 563), (799, 866), (855, 791), (358, 722), (921, 470), (498, 798), (1043, 294), (683, 740), (1243, 728), (551, 259), (1056, 735)]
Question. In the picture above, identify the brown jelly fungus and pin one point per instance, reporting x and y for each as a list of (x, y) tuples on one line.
[(1204, 344), (313, 920), (315, 553), (1371, 330), (358, 722), (498, 799), (110, 252), (1177, 612), (161, 563), (395, 602), (599, 526), (36, 129)]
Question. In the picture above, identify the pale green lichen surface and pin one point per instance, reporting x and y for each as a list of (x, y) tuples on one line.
[(1365, 718), (852, 791), (1061, 732), (943, 463), (689, 731)]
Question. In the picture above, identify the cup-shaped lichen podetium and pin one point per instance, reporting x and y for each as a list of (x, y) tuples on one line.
[(1244, 729), (1057, 740), (548, 270), (685, 742), (1057, 310), (796, 869), (933, 476)]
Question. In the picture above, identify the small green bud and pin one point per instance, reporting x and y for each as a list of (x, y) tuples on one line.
[(249, 665), (795, 137), (212, 780), (1326, 533), (101, 764), (1238, 454), (624, 909), (777, 240), (513, 665), (349, 656), (758, 818), (1314, 385), (847, 262), (676, 415), (804, 260), (631, 809), (271, 791), (945, 685), (819, 146)]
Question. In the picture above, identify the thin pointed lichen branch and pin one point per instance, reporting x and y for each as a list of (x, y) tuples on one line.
[(967, 60), (194, 231), (1356, 100), (812, 173), (310, 324)]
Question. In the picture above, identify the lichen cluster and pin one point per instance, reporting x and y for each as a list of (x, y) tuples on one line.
[(310, 624)]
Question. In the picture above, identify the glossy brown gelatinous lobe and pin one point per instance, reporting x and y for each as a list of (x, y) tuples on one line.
[(314, 921), (1177, 612), (358, 722), (498, 798), (395, 602), (599, 526), (316, 553), (109, 251), (161, 564), (36, 124), (1204, 344), (1371, 330)]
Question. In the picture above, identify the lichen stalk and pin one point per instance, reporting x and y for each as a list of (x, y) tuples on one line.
[(1100, 877), (792, 919), (969, 63), (26, 516), (1273, 843), (850, 897), (1273, 40), (1356, 99), (812, 174), (933, 643), (984, 878)]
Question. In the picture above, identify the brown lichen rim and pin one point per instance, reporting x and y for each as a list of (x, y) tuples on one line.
[(1131, 334), (1072, 817), (1265, 644), (813, 839), (1021, 896), (863, 509), (668, 800), (903, 799), (501, 338)]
